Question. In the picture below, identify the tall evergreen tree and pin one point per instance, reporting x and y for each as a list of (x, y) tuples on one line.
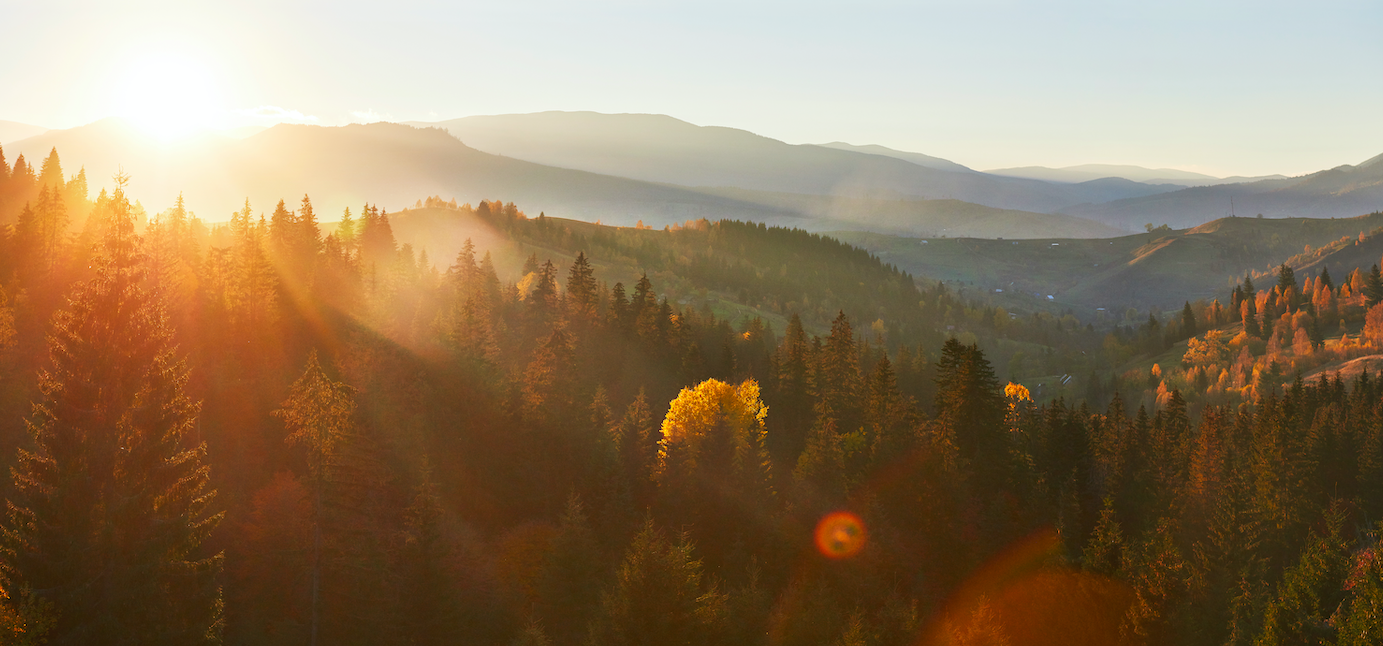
[(1188, 322), (112, 504), (969, 405), (581, 287), (1373, 287), (318, 414)]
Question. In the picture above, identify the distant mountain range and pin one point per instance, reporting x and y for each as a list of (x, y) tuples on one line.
[(393, 164), (1088, 172), (14, 131), (622, 168), (659, 148), (1344, 191), (915, 158)]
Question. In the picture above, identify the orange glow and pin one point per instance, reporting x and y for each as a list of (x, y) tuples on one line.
[(840, 535), (1026, 596)]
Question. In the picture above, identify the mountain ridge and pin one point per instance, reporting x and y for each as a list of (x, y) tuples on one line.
[(660, 148), (394, 165), (11, 131)]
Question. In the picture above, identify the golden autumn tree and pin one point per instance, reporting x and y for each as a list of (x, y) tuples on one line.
[(713, 463), (716, 429)]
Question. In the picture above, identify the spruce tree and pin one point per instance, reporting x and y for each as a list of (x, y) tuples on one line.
[(113, 501), (581, 287), (1373, 288), (1250, 314), (658, 596), (51, 173), (969, 406), (318, 415)]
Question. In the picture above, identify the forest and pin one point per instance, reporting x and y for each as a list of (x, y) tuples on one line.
[(273, 431)]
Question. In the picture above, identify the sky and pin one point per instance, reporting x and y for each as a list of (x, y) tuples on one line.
[(1225, 88)]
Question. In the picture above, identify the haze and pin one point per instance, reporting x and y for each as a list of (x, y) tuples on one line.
[(1226, 89)]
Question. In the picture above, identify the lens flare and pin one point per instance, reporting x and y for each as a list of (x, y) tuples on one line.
[(840, 535)]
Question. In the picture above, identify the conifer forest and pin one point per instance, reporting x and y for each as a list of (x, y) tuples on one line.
[(279, 426)]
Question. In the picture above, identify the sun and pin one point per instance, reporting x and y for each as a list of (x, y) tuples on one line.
[(169, 95)]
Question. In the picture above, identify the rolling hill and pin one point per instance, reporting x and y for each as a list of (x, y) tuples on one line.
[(659, 148), (394, 165), (1343, 191), (1087, 172), (1161, 268), (914, 158), (14, 131)]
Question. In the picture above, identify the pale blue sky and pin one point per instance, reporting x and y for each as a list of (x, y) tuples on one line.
[(1220, 87)]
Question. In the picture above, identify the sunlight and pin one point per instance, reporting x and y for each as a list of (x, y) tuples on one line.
[(169, 95)]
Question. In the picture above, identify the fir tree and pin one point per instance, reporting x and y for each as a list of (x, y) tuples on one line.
[(318, 415), (112, 503), (581, 287), (659, 596), (1250, 317), (1188, 321), (969, 405), (51, 175), (1373, 288), (571, 571), (431, 604)]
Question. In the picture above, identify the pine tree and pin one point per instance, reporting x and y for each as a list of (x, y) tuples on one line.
[(549, 383), (659, 596), (77, 190), (886, 415), (636, 439), (432, 606), (112, 503), (969, 405), (318, 415), (1104, 552), (571, 571), (307, 241), (618, 316), (1188, 321), (346, 232), (281, 231), (837, 379), (821, 466), (1286, 279), (581, 287), (1373, 288), (1249, 311), (790, 397), (1311, 591)]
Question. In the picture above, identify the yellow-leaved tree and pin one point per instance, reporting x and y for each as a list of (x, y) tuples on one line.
[(715, 428), (713, 462)]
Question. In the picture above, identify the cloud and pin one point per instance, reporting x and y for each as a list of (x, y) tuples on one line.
[(368, 116), (278, 115)]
